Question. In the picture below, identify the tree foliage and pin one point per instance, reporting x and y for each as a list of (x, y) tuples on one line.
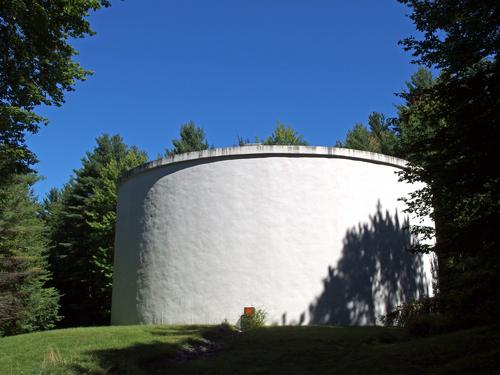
[(36, 67), (450, 132), (456, 35), (412, 128), (26, 303), (285, 135), (192, 138), (379, 137), (82, 221)]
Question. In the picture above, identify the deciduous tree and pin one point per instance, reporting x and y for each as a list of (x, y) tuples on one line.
[(452, 130), (37, 67)]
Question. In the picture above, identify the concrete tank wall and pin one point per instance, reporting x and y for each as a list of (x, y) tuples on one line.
[(309, 234)]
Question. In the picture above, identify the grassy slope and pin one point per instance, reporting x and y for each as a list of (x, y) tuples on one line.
[(276, 350)]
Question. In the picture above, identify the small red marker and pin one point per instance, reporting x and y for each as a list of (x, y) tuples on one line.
[(249, 311)]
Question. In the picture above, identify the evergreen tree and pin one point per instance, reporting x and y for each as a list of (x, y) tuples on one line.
[(36, 68), (380, 137), (82, 220), (192, 139), (26, 303), (285, 135), (358, 138)]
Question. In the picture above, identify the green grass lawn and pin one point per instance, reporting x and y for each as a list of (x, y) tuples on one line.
[(270, 350)]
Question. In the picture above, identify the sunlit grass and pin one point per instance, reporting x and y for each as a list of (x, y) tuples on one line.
[(269, 350)]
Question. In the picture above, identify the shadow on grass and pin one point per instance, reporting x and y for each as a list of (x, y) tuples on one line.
[(150, 358), (157, 357), (177, 330)]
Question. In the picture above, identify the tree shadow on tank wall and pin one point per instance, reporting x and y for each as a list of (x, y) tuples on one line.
[(376, 272)]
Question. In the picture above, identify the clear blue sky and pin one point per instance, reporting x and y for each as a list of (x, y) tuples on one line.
[(234, 67)]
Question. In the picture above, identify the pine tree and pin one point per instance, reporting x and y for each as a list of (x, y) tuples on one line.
[(82, 219), (192, 138), (285, 135), (379, 137), (26, 303)]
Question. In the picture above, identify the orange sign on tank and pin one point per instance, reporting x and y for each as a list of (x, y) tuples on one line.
[(249, 311)]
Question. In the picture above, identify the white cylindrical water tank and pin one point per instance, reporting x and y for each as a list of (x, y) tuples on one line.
[(312, 235)]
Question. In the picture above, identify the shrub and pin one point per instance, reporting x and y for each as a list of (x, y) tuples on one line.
[(420, 318), (403, 314), (251, 321), (427, 325)]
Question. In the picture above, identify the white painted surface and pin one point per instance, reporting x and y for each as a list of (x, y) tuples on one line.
[(201, 235)]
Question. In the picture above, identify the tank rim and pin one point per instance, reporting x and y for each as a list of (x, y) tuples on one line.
[(255, 151)]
